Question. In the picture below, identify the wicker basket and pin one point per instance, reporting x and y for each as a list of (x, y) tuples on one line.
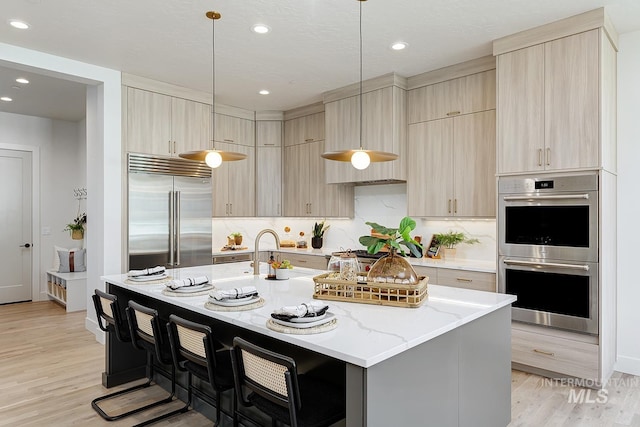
[(364, 292)]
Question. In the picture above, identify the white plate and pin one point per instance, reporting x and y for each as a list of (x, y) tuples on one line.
[(235, 302), (187, 289), (306, 319), (148, 278), (328, 317)]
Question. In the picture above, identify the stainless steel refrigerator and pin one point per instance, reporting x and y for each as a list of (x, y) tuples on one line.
[(170, 207)]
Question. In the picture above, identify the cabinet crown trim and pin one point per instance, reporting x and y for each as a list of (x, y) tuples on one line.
[(591, 20), (306, 110), (380, 82), (451, 72)]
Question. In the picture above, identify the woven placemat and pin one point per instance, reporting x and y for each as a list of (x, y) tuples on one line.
[(329, 326), (203, 291), (150, 282), (216, 307)]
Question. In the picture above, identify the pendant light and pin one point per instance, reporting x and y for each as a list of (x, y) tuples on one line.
[(213, 157), (360, 158)]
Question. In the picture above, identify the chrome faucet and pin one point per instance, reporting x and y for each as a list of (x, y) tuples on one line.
[(256, 249)]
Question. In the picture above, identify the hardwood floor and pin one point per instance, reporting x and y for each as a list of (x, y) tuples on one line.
[(51, 369)]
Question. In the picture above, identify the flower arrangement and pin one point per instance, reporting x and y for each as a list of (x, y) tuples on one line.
[(319, 228), (284, 264), (77, 224)]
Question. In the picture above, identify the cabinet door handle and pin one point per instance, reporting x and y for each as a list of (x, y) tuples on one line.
[(449, 206), (455, 206), (268, 143), (174, 147), (464, 279), (169, 145), (226, 208), (453, 113), (302, 261), (539, 156), (548, 156), (546, 353), (308, 140), (228, 140), (230, 208)]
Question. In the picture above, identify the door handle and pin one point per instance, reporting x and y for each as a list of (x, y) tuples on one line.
[(455, 206), (177, 227), (533, 198), (26, 245), (172, 234), (449, 206), (546, 264), (230, 208), (548, 156)]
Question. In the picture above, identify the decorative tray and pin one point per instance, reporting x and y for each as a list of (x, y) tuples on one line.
[(394, 294)]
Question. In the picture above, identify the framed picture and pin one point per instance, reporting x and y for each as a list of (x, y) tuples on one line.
[(433, 250)]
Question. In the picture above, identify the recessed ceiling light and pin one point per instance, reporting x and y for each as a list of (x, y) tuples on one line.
[(22, 80), (21, 25), (6, 99), (399, 45), (264, 92), (260, 29)]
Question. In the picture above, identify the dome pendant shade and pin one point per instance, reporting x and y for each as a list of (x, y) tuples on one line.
[(360, 158), (213, 157)]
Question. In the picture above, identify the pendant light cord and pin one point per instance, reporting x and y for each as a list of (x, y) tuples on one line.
[(360, 2), (213, 84)]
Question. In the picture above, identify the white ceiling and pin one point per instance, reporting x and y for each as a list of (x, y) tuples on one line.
[(313, 45)]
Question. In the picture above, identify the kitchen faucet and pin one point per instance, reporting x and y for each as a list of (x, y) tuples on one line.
[(256, 249)]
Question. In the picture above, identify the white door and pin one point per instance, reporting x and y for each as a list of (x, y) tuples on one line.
[(15, 226)]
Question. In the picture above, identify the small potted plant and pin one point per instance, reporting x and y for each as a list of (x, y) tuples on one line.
[(392, 268), (318, 233), (282, 269), (237, 238), (77, 227), (448, 242)]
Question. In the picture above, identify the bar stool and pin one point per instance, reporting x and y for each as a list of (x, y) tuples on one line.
[(110, 320), (194, 351), (146, 334), (276, 389)]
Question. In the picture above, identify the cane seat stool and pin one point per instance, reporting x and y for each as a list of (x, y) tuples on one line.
[(150, 334), (270, 382), (111, 320), (197, 352)]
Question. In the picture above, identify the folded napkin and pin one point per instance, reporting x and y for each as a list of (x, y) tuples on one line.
[(147, 272), (236, 293), (308, 309), (189, 281)]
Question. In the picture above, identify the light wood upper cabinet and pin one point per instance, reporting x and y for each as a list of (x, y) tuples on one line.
[(305, 129), (234, 130), (549, 106), (269, 168), (452, 164), (305, 192), (164, 125), (462, 95), (383, 129), (234, 183)]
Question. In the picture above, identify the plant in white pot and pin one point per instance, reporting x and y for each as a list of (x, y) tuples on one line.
[(448, 242), (282, 269)]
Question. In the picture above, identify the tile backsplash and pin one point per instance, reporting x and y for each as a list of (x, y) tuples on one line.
[(384, 204)]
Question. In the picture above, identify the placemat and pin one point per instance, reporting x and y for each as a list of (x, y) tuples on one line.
[(203, 291), (150, 282), (216, 307), (329, 326)]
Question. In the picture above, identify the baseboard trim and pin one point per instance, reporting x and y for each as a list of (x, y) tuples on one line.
[(92, 326), (628, 365)]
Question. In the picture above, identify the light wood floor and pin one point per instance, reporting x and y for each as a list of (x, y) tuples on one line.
[(50, 370)]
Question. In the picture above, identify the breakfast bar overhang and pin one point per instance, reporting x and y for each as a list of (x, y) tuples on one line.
[(445, 363)]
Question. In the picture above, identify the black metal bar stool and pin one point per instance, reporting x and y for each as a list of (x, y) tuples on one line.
[(194, 351), (276, 389), (110, 320)]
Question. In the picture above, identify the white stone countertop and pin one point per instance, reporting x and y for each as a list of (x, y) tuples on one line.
[(366, 334), (456, 264)]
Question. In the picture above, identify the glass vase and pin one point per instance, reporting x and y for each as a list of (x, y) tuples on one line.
[(393, 268)]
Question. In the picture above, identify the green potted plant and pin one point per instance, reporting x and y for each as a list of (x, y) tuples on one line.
[(237, 238), (392, 268), (448, 242), (77, 227), (318, 234), (282, 269)]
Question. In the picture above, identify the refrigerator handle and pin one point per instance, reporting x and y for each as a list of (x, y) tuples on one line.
[(171, 227), (177, 227)]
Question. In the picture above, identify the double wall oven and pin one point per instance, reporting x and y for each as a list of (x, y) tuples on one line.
[(548, 249)]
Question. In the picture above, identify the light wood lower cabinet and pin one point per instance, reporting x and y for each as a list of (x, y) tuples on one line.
[(302, 260), (555, 351), (466, 279)]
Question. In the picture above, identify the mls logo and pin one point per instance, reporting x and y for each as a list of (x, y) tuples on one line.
[(588, 396)]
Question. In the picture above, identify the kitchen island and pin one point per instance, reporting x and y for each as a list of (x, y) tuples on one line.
[(446, 363)]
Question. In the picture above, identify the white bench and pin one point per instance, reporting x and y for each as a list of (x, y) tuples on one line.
[(69, 289)]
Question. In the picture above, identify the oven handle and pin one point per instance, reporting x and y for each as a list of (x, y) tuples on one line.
[(584, 196), (546, 264)]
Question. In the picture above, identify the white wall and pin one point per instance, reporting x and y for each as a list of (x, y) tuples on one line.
[(628, 203), (60, 171), (383, 204)]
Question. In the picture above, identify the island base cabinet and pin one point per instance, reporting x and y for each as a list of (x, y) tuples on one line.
[(462, 378)]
